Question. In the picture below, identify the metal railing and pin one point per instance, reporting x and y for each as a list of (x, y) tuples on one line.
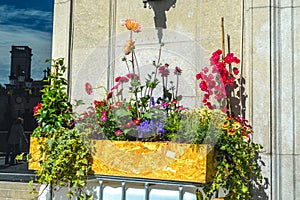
[(147, 185)]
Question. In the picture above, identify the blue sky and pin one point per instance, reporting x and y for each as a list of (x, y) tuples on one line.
[(26, 23)]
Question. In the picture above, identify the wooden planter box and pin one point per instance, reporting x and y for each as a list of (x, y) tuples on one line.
[(153, 160)]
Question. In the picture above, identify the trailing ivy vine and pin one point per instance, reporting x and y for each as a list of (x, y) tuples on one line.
[(65, 157)]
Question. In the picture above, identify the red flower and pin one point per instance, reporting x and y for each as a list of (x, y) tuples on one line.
[(88, 88), (109, 95), (219, 52), (230, 58), (198, 76), (122, 79), (215, 57), (236, 71), (99, 103), (37, 108), (174, 102), (137, 122), (203, 86)]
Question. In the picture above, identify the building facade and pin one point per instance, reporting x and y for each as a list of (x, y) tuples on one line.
[(89, 35)]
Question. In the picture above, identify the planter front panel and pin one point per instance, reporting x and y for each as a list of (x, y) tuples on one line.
[(153, 160)]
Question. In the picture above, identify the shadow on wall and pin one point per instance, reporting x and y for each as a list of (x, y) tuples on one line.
[(160, 20)]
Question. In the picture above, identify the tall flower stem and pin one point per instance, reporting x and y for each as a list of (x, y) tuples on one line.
[(177, 80), (156, 66), (136, 61), (127, 65)]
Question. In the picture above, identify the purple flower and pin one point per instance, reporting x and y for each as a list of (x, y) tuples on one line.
[(152, 101), (150, 127)]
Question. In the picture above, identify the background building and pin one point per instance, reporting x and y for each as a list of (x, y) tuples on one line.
[(20, 95)]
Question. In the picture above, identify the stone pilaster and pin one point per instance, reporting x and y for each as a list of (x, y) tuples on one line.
[(274, 90)]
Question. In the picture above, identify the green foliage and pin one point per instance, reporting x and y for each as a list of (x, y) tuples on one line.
[(200, 126), (65, 153), (55, 111), (238, 161)]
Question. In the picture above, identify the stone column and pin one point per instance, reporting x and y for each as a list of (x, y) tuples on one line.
[(61, 29), (63, 34), (272, 50)]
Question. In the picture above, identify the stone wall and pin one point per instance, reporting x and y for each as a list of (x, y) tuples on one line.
[(97, 38)]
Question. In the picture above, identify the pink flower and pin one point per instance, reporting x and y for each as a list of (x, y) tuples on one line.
[(115, 86), (214, 58), (133, 76), (104, 113), (164, 71), (224, 110), (177, 71), (205, 69), (88, 88), (118, 133), (128, 124), (103, 118)]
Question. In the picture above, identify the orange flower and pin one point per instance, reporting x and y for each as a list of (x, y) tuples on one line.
[(129, 47), (132, 25), (230, 131)]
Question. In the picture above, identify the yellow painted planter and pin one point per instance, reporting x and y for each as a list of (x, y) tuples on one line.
[(154, 160)]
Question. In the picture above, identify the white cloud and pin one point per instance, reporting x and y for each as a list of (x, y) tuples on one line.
[(8, 13), (38, 41)]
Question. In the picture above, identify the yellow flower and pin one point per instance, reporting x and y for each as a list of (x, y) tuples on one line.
[(226, 125), (132, 25), (236, 125)]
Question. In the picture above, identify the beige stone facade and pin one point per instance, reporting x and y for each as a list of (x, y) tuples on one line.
[(263, 34)]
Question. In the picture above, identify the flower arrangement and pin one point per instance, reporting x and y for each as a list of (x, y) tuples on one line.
[(142, 116), (139, 115), (238, 161), (133, 111)]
